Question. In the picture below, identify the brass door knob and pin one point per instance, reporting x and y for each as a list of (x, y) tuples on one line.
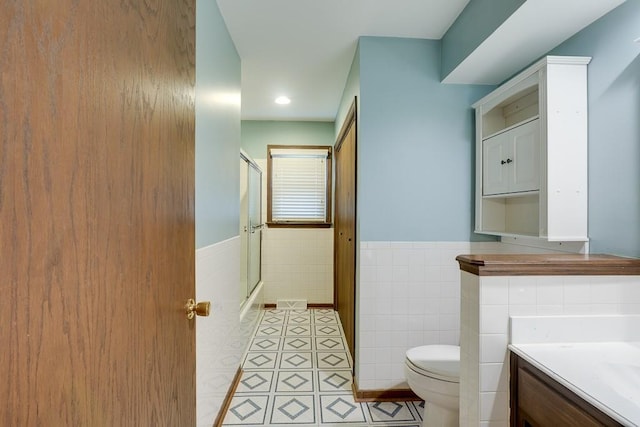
[(201, 308)]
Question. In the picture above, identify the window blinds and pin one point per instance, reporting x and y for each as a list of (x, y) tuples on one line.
[(299, 185)]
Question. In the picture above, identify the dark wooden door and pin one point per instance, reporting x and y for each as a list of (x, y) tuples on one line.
[(345, 228), (97, 213)]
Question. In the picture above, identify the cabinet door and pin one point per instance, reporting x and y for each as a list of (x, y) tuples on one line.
[(494, 172), (524, 170), (511, 161)]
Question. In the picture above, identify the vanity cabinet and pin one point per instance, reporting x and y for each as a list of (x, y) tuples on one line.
[(538, 400), (511, 160), (531, 154)]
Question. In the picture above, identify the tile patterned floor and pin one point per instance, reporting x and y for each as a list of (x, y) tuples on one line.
[(297, 372)]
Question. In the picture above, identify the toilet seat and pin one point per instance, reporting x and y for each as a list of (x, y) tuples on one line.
[(440, 362)]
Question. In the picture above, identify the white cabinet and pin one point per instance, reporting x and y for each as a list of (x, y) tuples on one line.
[(511, 160), (531, 154)]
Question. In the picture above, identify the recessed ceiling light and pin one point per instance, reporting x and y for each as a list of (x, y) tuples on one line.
[(283, 100)]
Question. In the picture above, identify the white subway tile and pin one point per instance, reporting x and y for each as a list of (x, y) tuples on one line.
[(493, 348), (494, 290), (449, 322), (400, 245), (522, 310), (494, 377), (494, 319), (630, 308), (400, 273), (416, 273), (494, 406), (522, 290), (606, 309), (606, 291), (549, 310), (383, 371), (384, 257), (574, 309), (449, 306), (549, 291), (384, 273)]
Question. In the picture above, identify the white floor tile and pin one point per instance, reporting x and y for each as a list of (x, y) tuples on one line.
[(297, 372)]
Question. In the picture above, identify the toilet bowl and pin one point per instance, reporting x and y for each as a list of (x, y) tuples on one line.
[(433, 373)]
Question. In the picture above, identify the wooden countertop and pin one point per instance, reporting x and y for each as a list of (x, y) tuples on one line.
[(548, 265)]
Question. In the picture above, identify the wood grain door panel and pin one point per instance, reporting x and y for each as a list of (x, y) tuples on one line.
[(97, 213), (345, 228)]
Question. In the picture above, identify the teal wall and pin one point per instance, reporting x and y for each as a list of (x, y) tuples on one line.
[(614, 128), (351, 90), (217, 129), (478, 20), (257, 134), (415, 146)]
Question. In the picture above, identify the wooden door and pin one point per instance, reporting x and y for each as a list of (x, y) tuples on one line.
[(345, 228), (97, 213)]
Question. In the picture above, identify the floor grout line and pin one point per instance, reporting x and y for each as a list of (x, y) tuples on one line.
[(297, 372)]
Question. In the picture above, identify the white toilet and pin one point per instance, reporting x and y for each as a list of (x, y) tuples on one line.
[(433, 373)]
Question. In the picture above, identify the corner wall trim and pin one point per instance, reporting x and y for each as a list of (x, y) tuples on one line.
[(227, 400), (383, 395), (310, 305)]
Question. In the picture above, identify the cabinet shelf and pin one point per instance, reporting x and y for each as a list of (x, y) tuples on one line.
[(523, 122), (511, 195)]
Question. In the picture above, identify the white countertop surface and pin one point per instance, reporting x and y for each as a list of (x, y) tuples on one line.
[(605, 374)]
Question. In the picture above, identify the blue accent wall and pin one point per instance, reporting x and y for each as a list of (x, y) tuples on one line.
[(217, 129), (351, 90), (478, 20), (257, 134), (415, 145), (614, 128)]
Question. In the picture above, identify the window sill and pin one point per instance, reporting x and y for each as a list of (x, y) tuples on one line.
[(299, 224)]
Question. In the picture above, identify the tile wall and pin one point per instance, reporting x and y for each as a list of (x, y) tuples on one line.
[(409, 295), (489, 301), (221, 338), (298, 264)]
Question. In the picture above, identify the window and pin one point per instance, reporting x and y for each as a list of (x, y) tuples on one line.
[(299, 185)]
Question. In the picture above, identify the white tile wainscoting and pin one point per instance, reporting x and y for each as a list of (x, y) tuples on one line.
[(221, 338), (297, 263), (488, 302), (409, 295)]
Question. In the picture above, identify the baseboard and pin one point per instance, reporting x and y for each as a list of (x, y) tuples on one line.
[(227, 400), (310, 305), (383, 395)]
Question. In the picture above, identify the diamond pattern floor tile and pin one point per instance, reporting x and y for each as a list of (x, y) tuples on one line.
[(341, 409), (295, 410), (297, 372), (297, 343), (299, 381), (255, 382), (334, 381), (299, 360), (390, 411), (324, 329), (245, 410)]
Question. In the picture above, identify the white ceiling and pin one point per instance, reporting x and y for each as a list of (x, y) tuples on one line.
[(304, 48)]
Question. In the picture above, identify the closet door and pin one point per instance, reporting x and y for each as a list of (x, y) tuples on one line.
[(345, 228)]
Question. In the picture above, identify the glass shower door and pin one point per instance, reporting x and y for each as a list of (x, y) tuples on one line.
[(255, 227)]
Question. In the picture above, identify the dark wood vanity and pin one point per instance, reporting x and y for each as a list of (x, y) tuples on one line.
[(538, 400)]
